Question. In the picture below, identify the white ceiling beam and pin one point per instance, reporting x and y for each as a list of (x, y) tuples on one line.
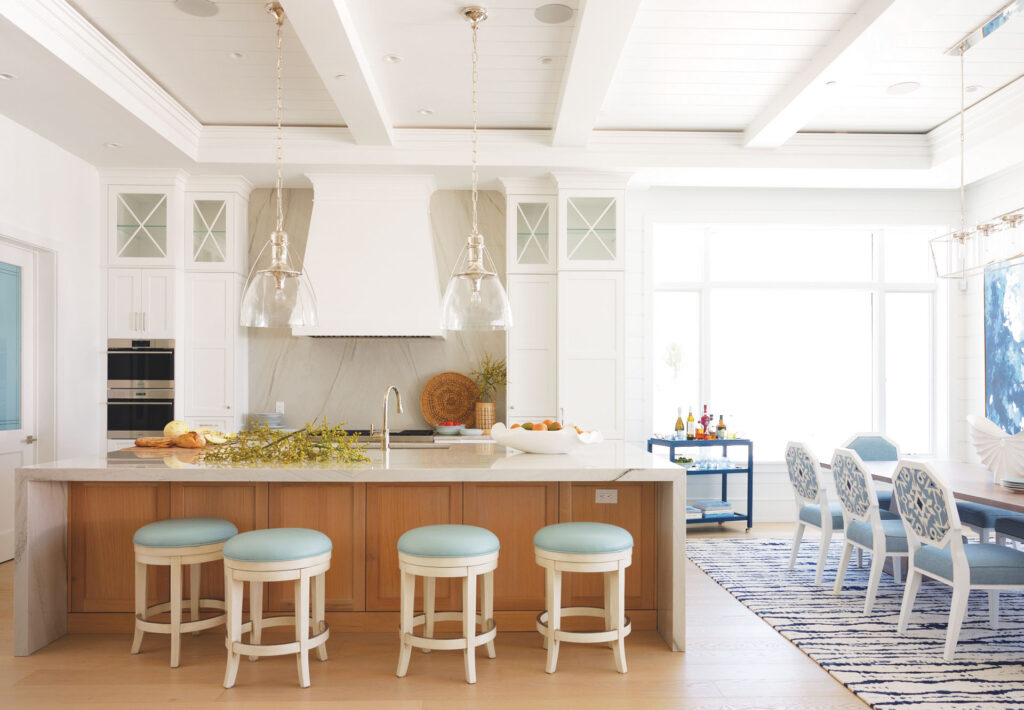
[(329, 35), (602, 28), (875, 22)]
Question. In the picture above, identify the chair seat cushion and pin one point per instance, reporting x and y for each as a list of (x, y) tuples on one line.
[(277, 545), (1012, 525), (889, 515), (884, 499), (448, 541), (811, 514), (583, 538), (895, 534), (990, 564), (980, 515), (184, 532)]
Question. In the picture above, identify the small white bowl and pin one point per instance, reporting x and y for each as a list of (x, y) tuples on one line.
[(471, 432), (541, 442)]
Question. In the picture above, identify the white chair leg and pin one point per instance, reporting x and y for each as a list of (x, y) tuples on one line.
[(429, 596), (875, 576), (469, 624), (256, 613), (993, 608), (193, 588), (909, 595), (319, 595), (619, 616), (408, 585), (860, 557), (844, 562), (1000, 539), (488, 610), (553, 580), (175, 612), (797, 537), (233, 610), (826, 538), (302, 628), (983, 534), (957, 611), (140, 603), (897, 569)]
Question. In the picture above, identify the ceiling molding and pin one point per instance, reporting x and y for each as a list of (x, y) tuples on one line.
[(602, 28), (328, 33), (55, 25)]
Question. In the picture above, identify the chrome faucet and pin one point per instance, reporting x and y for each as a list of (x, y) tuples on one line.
[(385, 436)]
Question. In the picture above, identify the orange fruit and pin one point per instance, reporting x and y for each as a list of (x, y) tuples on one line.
[(578, 430), (540, 427), (548, 422), (554, 426), (514, 426)]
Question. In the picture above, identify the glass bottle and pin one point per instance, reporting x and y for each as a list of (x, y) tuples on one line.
[(690, 425), (679, 423)]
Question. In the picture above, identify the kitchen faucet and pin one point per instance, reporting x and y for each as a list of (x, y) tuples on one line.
[(385, 436)]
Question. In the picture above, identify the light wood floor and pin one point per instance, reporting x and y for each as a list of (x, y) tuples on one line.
[(733, 660)]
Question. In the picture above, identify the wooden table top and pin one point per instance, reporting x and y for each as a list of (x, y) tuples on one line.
[(969, 482)]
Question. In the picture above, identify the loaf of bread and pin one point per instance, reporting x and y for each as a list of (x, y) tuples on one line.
[(154, 441), (191, 440)]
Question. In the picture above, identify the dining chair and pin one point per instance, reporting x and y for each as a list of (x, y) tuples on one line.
[(937, 550), (812, 506), (880, 532), (873, 446)]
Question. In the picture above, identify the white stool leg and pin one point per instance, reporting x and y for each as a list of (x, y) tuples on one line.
[(609, 612), (175, 612), (619, 617), (429, 589), (408, 583), (256, 613), (488, 611), (193, 588), (302, 627), (554, 604), (320, 611), (140, 603), (469, 624), (233, 609)]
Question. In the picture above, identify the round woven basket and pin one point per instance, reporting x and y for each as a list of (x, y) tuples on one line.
[(450, 396)]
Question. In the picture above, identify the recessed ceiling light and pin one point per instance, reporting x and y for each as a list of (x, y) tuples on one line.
[(111, 145), (553, 13), (546, 60), (973, 88), (341, 76), (199, 8), (832, 84), (7, 77), (392, 58), (426, 112), (904, 87), (236, 55)]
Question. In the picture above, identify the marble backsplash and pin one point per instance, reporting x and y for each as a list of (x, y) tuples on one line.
[(344, 379)]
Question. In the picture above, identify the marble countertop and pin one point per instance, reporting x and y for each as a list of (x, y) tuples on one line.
[(607, 461)]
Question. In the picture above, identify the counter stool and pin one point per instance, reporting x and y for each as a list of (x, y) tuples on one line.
[(173, 543), (584, 547), (276, 555), (447, 551)]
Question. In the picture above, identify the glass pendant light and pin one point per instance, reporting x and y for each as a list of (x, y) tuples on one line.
[(475, 298), (278, 294)]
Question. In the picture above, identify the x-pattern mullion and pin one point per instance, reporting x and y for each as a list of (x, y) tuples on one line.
[(533, 233), (142, 224), (209, 232), (591, 229)]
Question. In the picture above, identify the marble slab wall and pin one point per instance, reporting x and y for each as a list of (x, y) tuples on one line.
[(344, 379)]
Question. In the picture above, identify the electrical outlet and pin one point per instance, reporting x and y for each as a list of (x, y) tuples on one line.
[(606, 495), (280, 407)]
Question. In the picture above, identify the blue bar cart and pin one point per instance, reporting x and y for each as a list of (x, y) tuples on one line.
[(673, 444)]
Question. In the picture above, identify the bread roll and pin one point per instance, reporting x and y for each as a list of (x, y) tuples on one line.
[(191, 440)]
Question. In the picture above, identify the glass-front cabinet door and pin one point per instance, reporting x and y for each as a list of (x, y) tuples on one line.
[(141, 231), (592, 230), (531, 235), (208, 238)]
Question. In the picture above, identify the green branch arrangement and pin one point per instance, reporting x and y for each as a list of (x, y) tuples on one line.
[(312, 444), (491, 377)]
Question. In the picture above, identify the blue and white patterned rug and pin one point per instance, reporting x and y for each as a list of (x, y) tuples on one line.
[(864, 653)]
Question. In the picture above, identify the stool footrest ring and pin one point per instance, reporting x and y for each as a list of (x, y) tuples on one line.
[(450, 644), (583, 636), (164, 627), (276, 649)]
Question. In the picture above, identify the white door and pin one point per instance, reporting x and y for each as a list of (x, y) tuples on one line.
[(158, 303), (17, 380), (124, 303)]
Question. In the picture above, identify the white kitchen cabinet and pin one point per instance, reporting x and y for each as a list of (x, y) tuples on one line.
[(140, 303), (591, 357), (215, 226), (532, 391), (223, 424), (143, 225), (530, 234), (591, 224), (211, 337)]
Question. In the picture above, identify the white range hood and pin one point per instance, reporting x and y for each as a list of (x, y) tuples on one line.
[(370, 257)]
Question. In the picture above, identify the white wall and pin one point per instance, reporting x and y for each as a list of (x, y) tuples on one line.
[(50, 200), (772, 493)]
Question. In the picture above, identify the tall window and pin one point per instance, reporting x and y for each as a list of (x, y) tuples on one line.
[(796, 333)]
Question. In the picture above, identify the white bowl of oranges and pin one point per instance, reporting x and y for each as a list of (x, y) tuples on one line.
[(545, 437)]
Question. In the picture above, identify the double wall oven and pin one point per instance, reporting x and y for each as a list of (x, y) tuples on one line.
[(140, 387)]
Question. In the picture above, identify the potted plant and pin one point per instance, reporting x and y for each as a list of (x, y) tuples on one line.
[(491, 376)]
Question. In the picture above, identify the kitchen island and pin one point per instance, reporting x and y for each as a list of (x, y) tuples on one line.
[(75, 520)]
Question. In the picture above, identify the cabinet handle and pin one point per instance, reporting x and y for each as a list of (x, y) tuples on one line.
[(135, 320), (511, 406), (227, 406), (143, 321)]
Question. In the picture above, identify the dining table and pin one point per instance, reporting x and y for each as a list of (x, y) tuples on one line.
[(968, 481)]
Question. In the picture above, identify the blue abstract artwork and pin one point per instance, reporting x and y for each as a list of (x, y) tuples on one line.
[(1004, 347)]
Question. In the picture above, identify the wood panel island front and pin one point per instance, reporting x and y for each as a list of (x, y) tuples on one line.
[(75, 521)]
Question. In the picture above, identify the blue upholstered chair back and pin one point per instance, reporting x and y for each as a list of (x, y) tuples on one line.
[(803, 472), (874, 447), (856, 492), (926, 504)]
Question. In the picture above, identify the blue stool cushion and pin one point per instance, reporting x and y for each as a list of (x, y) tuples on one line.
[(277, 545), (1011, 525), (884, 499), (980, 515), (184, 532), (895, 534), (990, 564), (448, 541), (583, 538), (811, 513)]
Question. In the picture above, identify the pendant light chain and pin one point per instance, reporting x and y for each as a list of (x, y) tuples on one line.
[(476, 58), (279, 153)]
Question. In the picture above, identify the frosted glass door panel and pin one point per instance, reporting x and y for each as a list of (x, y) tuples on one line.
[(209, 232), (532, 235), (10, 347), (141, 225), (591, 229)]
